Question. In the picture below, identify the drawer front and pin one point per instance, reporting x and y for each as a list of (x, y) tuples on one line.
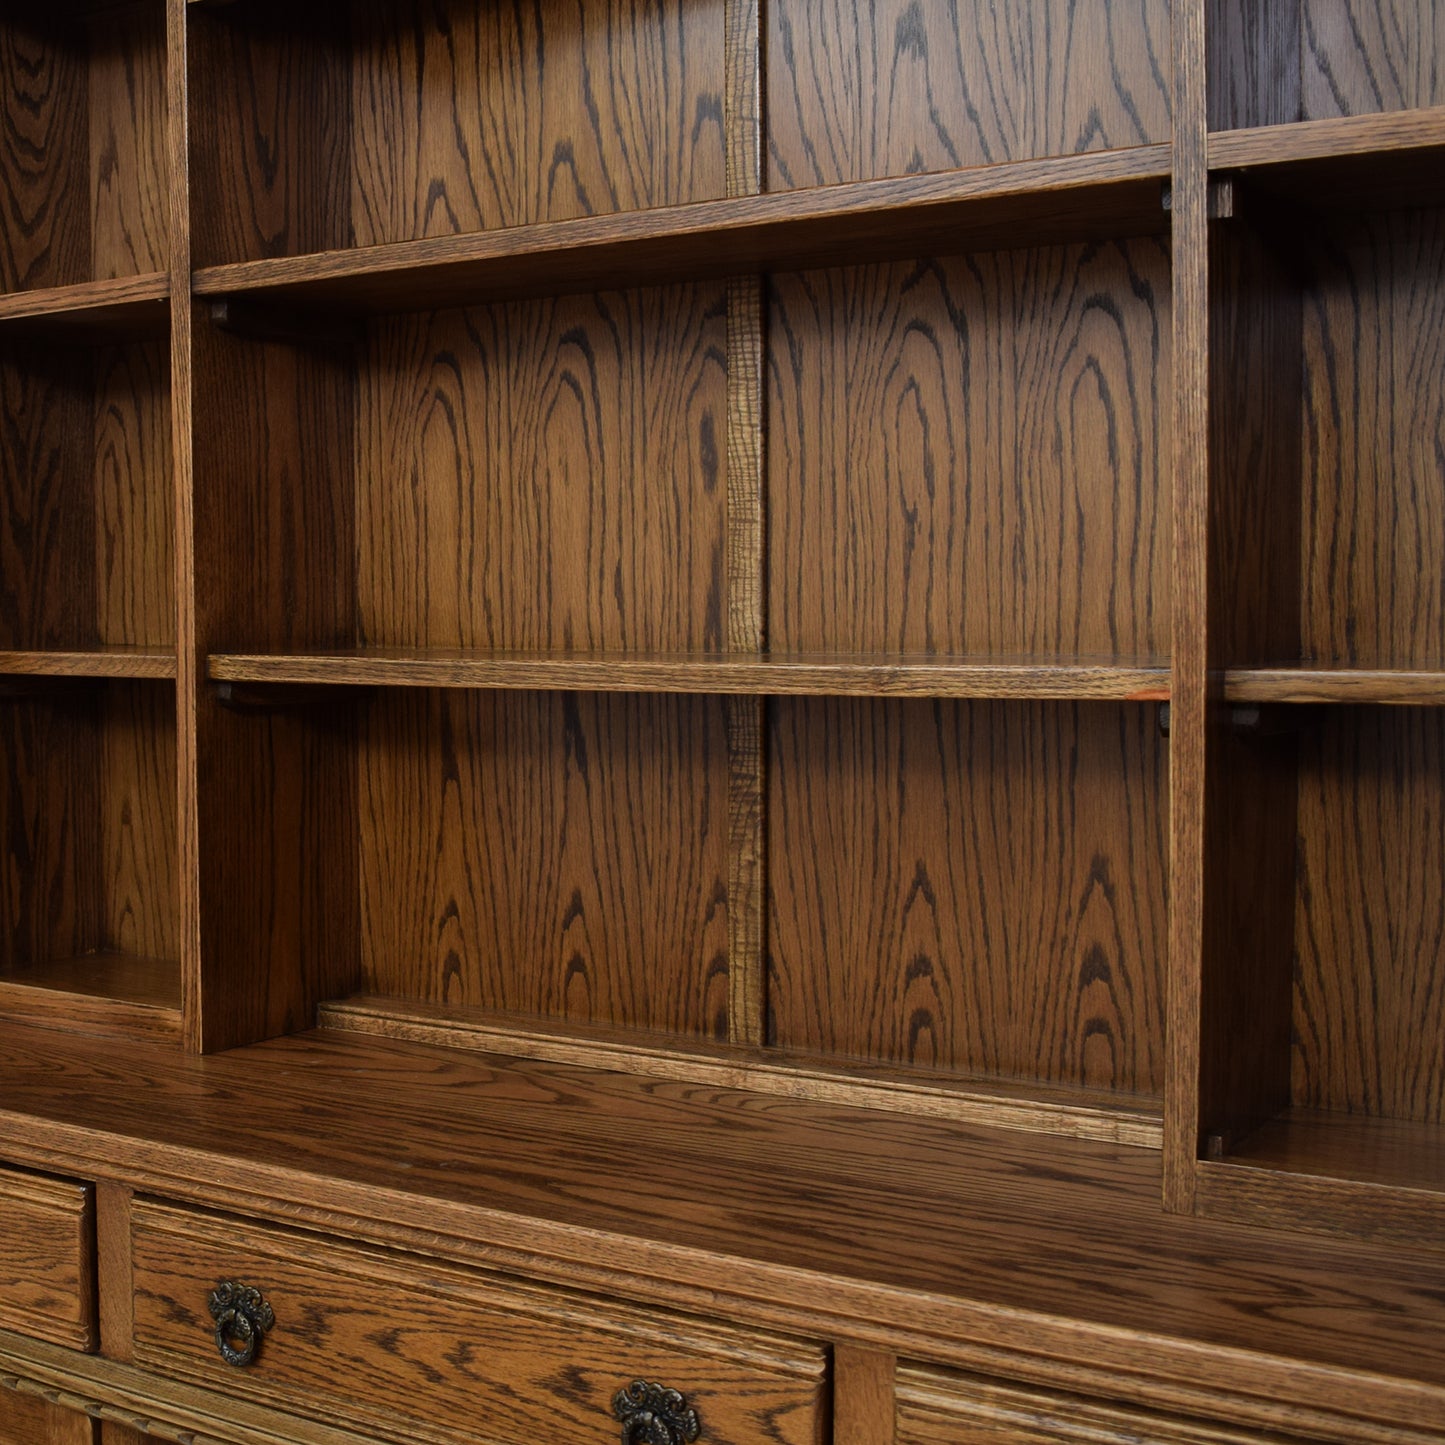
[(47, 1258), (937, 1407), (421, 1350)]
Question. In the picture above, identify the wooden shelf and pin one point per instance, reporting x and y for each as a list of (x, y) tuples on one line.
[(1311, 1168), (119, 309), (1303, 683), (1099, 194), (802, 675), (924, 1228), (99, 993), (1013, 1104), (1389, 160), (99, 662)]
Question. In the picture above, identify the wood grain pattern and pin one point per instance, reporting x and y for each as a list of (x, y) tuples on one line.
[(33, 1420), (134, 540), (273, 535), (863, 1405), (859, 90), (115, 1316), (269, 130), (469, 117), (43, 240), (47, 1258), (132, 1406), (47, 542), (1044, 1109), (51, 905), (1374, 444), (402, 1344), (1253, 63), (1110, 194), (1251, 555), (921, 1229), (277, 799), (139, 876), (978, 887), (90, 861), (125, 304), (557, 854), (969, 455), (747, 869), (1345, 1178), (122, 661), (546, 475), (1414, 688), (129, 199), (84, 465), (1370, 55), (736, 673), (1190, 599), (1369, 1014), (936, 1407)]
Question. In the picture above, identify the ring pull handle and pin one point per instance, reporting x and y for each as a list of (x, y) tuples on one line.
[(242, 1316), (654, 1415)]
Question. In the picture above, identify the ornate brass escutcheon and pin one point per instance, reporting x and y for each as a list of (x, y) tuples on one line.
[(653, 1415), (242, 1316)]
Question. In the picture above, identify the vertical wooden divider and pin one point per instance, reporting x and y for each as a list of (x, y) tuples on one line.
[(1190, 679), (187, 661), (746, 550)]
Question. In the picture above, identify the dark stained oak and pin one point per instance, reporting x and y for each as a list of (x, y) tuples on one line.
[(44, 241), (126, 305), (47, 1258), (553, 853), (1300, 683), (1373, 562), (1358, 56), (1103, 194), (970, 455), (545, 475), (792, 1074), (85, 497), (1369, 1016), (33, 1420), (906, 1225), (121, 660), (400, 1344), (82, 174), (855, 90), (970, 886), (381, 123), (772, 674)]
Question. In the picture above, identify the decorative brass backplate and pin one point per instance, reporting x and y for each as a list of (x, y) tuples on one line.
[(653, 1415), (242, 1316)]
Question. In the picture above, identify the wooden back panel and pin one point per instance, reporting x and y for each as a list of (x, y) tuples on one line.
[(1270, 64), (978, 887), (894, 88), (380, 122), (545, 474), (970, 454)]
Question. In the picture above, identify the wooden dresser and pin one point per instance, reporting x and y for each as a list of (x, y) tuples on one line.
[(723, 721)]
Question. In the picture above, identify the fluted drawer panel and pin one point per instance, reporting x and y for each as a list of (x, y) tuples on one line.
[(418, 1350), (47, 1258)]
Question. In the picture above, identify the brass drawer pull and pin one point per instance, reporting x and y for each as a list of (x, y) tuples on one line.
[(242, 1316), (652, 1415)]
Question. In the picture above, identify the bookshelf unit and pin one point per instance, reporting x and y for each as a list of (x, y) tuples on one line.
[(729, 697)]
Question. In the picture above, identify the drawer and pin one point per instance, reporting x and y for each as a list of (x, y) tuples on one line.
[(421, 1350), (937, 1407), (47, 1258)]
